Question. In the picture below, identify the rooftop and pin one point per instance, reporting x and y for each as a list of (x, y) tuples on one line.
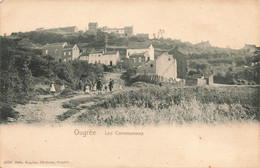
[(138, 54), (54, 44)]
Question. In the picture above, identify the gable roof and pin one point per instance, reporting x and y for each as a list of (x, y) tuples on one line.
[(110, 52), (96, 52), (54, 44), (138, 54), (69, 46)]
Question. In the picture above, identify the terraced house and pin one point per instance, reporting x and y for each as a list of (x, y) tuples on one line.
[(61, 51)]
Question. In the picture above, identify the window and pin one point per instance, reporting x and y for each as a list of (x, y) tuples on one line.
[(64, 53), (151, 65), (140, 59), (46, 51), (69, 53), (134, 60), (169, 59)]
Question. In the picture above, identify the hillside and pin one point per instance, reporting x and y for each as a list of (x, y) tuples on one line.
[(229, 66)]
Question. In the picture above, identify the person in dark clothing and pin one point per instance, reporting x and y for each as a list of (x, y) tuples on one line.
[(111, 84), (81, 85), (99, 86)]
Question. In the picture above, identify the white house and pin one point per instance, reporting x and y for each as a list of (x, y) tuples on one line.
[(165, 65)]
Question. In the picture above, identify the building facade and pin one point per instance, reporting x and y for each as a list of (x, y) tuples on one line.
[(61, 51), (101, 57), (165, 66), (181, 59)]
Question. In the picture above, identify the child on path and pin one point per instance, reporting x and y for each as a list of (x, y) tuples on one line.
[(52, 88)]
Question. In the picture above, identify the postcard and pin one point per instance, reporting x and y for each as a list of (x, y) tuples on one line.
[(95, 83)]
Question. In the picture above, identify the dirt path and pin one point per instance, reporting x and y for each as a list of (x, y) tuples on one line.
[(42, 111)]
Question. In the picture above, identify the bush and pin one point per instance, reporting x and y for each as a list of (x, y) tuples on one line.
[(6, 111)]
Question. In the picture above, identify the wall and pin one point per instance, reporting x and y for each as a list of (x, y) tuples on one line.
[(181, 63), (209, 80), (151, 52), (148, 68), (75, 52), (166, 66)]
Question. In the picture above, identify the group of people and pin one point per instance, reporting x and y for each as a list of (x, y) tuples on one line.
[(88, 87), (98, 86)]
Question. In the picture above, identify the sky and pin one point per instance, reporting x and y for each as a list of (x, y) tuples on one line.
[(224, 23)]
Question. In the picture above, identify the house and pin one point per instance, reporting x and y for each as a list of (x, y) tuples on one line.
[(164, 66), (101, 57), (61, 51), (140, 54), (181, 62)]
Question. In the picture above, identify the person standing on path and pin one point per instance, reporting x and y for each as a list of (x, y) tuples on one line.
[(111, 84), (99, 86), (81, 85), (52, 88)]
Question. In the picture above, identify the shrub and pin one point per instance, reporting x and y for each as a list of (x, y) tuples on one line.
[(6, 111)]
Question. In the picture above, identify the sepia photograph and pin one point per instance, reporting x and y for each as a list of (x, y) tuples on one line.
[(120, 83)]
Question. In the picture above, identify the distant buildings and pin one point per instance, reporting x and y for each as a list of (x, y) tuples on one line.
[(121, 32), (61, 51), (92, 27), (250, 47), (101, 57)]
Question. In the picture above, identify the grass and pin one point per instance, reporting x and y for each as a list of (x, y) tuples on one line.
[(167, 105), (67, 114), (73, 106)]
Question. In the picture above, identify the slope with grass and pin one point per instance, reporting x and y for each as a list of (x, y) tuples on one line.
[(154, 105)]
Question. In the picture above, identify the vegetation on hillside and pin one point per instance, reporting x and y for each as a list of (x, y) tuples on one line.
[(152, 105), (23, 68)]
